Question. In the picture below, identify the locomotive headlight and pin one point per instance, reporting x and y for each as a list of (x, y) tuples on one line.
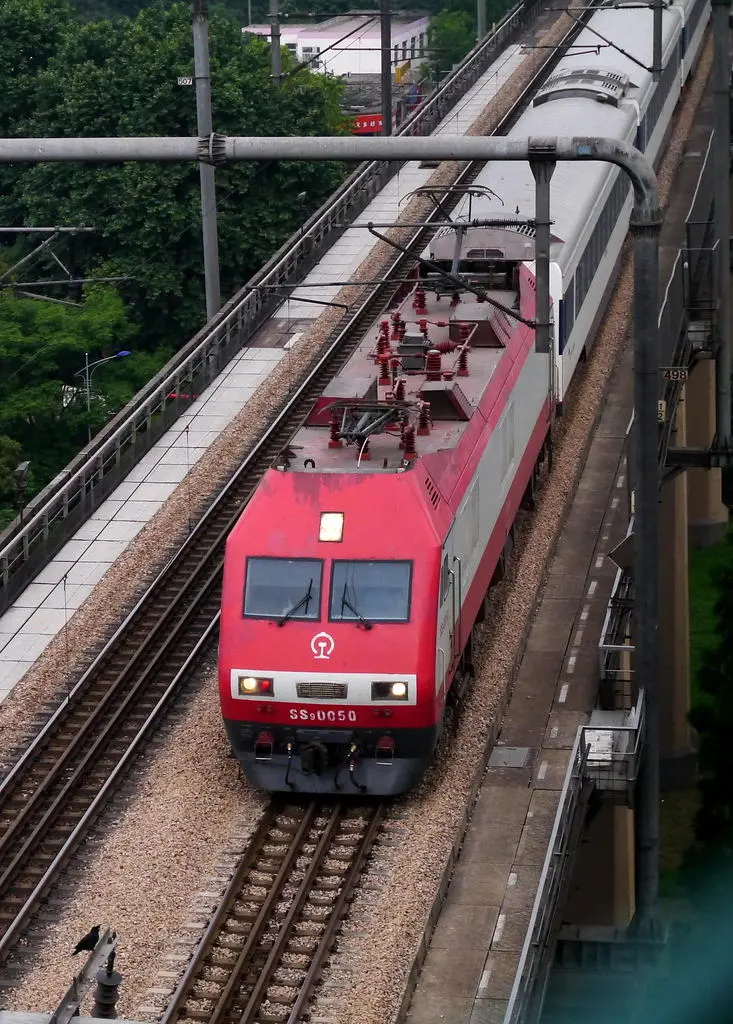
[(254, 686), (332, 526), (384, 690)]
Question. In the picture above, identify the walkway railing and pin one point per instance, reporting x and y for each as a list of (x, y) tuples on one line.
[(536, 961), (56, 513)]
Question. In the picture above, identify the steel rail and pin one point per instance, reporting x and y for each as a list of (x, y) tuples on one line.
[(285, 932), (28, 543), (209, 561), (332, 928), (241, 999), (13, 932), (226, 903)]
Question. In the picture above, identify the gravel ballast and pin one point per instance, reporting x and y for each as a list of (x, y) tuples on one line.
[(151, 860)]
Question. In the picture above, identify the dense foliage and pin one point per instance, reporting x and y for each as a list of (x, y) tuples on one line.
[(61, 75), (713, 720)]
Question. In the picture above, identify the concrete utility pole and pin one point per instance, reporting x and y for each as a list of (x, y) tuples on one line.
[(721, 168), (481, 26), (275, 41), (200, 23), (386, 25)]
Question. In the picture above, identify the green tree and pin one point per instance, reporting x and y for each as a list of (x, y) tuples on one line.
[(120, 78), (42, 397), (713, 720), (451, 35)]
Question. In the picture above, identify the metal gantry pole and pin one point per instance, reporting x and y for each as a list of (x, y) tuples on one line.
[(386, 66), (542, 165), (721, 166), (646, 558), (200, 23), (658, 14), (275, 41), (481, 20)]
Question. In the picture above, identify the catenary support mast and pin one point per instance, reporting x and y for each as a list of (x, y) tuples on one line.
[(200, 22)]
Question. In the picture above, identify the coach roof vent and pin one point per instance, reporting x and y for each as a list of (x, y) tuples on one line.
[(588, 83)]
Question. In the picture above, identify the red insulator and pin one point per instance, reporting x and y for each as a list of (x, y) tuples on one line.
[(394, 365), (448, 374), (382, 346), (334, 440), (423, 421), (423, 325), (399, 392), (418, 303), (384, 328), (465, 330), (463, 363), (384, 378), (446, 346), (395, 325), (433, 364), (408, 443)]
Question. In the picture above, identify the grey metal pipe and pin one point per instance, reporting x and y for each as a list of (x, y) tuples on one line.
[(226, 148), (721, 165), (200, 24), (386, 67)]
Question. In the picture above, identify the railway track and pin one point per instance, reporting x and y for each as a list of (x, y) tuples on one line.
[(264, 948), (52, 794)]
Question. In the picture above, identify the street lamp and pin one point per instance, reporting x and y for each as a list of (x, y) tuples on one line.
[(88, 371), (20, 476)]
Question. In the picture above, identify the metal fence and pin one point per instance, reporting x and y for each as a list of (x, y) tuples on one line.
[(687, 320), (614, 751), (56, 513), (525, 1000), (615, 649)]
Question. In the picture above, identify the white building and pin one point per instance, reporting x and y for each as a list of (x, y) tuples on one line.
[(351, 45)]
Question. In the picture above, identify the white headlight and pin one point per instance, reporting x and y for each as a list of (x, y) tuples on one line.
[(332, 526), (399, 689)]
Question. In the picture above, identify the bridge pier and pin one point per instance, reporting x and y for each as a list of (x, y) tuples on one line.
[(707, 515)]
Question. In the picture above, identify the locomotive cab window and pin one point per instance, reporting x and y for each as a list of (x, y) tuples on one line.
[(370, 591), (283, 588)]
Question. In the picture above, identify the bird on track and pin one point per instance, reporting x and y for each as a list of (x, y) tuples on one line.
[(89, 941)]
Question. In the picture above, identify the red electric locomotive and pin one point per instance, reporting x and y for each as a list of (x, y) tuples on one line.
[(356, 572)]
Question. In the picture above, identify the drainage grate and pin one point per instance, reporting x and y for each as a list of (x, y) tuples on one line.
[(509, 757)]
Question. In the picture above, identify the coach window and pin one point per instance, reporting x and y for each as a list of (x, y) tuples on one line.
[(370, 591), (277, 587)]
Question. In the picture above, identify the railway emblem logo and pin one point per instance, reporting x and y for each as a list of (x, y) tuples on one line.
[(322, 646)]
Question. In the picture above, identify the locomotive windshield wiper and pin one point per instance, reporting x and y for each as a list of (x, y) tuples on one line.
[(345, 603), (305, 600)]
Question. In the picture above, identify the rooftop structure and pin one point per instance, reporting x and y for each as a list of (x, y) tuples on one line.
[(351, 45)]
